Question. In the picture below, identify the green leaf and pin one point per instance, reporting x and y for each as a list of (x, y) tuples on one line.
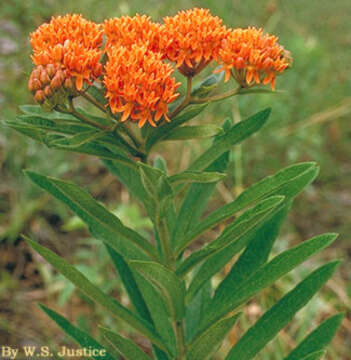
[(80, 336), (207, 86), (265, 276), (158, 310), (68, 127), (194, 132), (267, 327), (158, 190), (196, 177), (163, 131), (170, 286), (235, 135), (160, 164), (233, 234), (256, 253), (206, 344), (287, 182), (318, 339), (95, 294), (196, 309), (34, 134), (97, 94), (36, 110), (130, 284), (315, 356), (102, 224), (129, 177), (94, 149), (197, 196), (128, 349), (78, 139)]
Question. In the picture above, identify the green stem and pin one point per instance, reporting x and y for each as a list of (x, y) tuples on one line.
[(100, 106), (165, 242), (186, 100), (238, 160), (218, 97), (80, 116), (180, 336)]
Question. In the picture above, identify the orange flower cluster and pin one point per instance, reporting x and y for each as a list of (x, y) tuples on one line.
[(249, 55), (139, 84), (72, 42), (126, 31), (192, 39)]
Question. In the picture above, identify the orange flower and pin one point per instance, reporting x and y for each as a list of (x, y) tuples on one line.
[(126, 31), (250, 56), (192, 39), (72, 42), (139, 84)]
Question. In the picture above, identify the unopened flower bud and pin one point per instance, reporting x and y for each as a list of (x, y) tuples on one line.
[(44, 78), (57, 80), (34, 84), (51, 70), (69, 85), (48, 91), (35, 73), (39, 96)]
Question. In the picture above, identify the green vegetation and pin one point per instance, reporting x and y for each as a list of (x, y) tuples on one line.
[(309, 122)]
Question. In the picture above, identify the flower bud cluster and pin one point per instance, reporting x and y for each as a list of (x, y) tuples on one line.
[(51, 84)]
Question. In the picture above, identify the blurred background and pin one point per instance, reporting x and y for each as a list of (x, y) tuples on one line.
[(310, 121)]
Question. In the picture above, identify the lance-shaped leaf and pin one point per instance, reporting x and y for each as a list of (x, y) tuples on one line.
[(194, 132), (159, 311), (197, 196), (196, 309), (315, 356), (163, 131), (127, 348), (196, 177), (318, 339), (94, 149), (78, 335), (265, 276), (130, 284), (235, 135), (36, 110), (145, 300), (78, 139), (276, 318), (206, 344), (67, 127), (234, 233), (257, 252), (287, 182), (95, 294), (102, 224), (170, 286)]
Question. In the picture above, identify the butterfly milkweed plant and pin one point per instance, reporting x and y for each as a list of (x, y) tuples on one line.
[(130, 69)]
